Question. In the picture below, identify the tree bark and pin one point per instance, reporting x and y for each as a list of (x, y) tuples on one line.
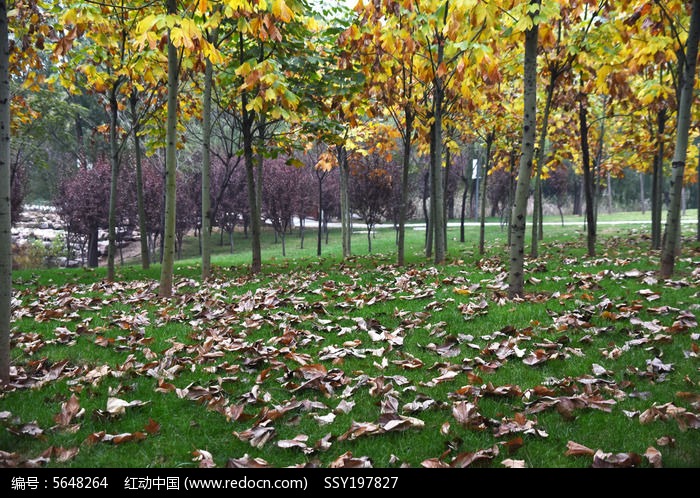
[(487, 162), (345, 212), (642, 195), (588, 179), (114, 181), (406, 164), (168, 254), (537, 208), (143, 229), (657, 181), (438, 188), (206, 170), (516, 280), (320, 175), (5, 201), (673, 220)]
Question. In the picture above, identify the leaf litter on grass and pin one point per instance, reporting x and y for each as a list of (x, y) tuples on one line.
[(293, 336)]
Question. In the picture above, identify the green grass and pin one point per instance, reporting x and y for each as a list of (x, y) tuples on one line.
[(225, 357)]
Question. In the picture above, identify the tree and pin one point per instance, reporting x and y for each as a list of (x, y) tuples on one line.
[(689, 63), (518, 225), (371, 186), (5, 204)]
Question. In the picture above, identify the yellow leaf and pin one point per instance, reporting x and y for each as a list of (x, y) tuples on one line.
[(270, 95), (524, 24), (282, 11), (202, 6)]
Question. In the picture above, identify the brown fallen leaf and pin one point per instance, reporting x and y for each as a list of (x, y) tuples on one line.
[(205, 459), (576, 449), (654, 457), (464, 460), (257, 436), (617, 460), (514, 464), (60, 453), (152, 427), (297, 442), (347, 461), (69, 410), (467, 414), (246, 462)]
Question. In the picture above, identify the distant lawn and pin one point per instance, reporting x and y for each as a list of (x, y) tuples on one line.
[(323, 362)]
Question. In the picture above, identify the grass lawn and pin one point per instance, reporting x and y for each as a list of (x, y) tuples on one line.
[(319, 362)]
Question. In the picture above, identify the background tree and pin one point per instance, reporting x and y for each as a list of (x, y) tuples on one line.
[(371, 186)]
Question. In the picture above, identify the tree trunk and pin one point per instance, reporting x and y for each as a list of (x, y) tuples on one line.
[(438, 189), (657, 182), (426, 212), (320, 177), (143, 230), (588, 178), (345, 212), (487, 161), (642, 200), (114, 181), (5, 202), (673, 220), (406, 163), (206, 170), (537, 208), (247, 123), (93, 248), (516, 274), (168, 254)]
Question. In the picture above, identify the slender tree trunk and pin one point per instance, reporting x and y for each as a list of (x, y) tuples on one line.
[(427, 209), (673, 219), (657, 181), (143, 230), (516, 275), (438, 190), (168, 253), (588, 179), (93, 247), (511, 195), (642, 203), (320, 177), (345, 212), (114, 181), (487, 161), (5, 201), (206, 170), (406, 164), (537, 208)]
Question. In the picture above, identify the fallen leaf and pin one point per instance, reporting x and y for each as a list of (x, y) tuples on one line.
[(205, 459), (116, 406), (654, 457), (69, 410), (257, 436), (347, 461), (576, 449), (246, 462), (514, 464), (617, 460)]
